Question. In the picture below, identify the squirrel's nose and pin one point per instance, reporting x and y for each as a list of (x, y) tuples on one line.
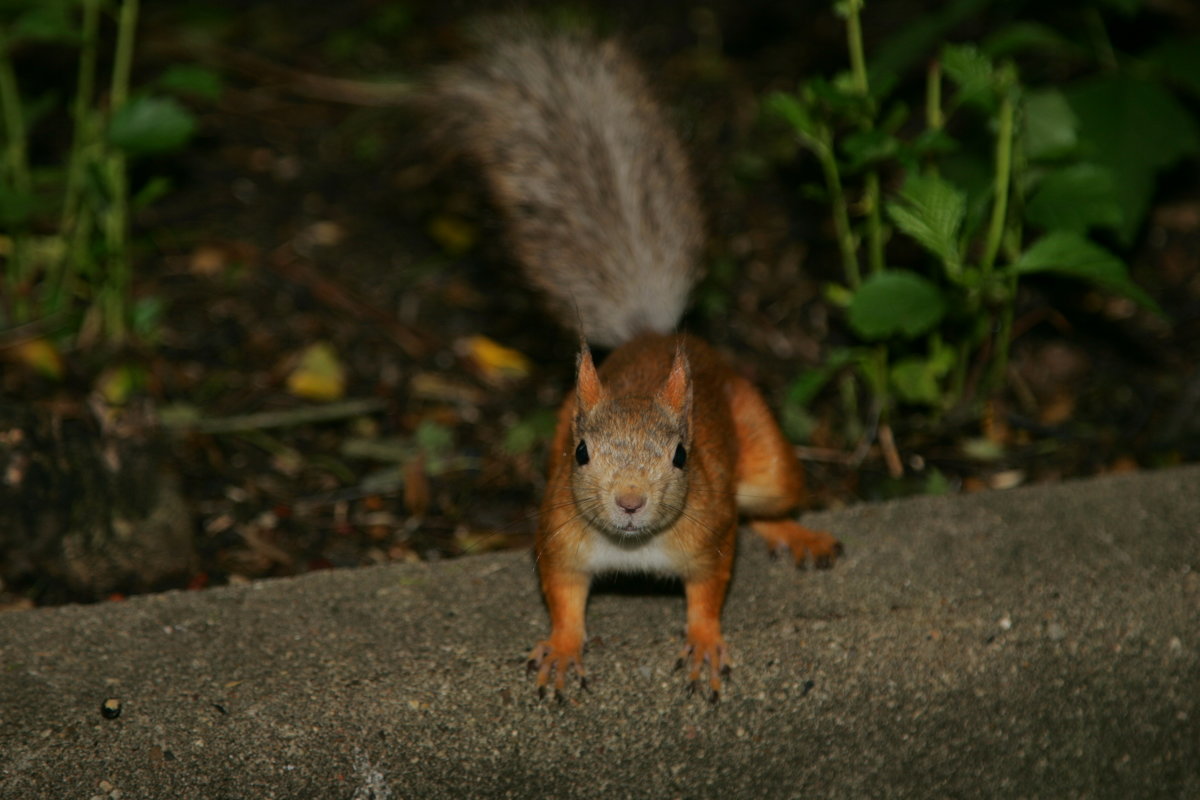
[(631, 501)]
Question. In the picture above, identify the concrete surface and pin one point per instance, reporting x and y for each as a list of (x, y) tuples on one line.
[(1040, 642)]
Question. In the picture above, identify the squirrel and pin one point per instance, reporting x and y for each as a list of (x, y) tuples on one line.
[(657, 451)]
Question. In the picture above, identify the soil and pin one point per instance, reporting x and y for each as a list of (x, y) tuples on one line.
[(295, 219)]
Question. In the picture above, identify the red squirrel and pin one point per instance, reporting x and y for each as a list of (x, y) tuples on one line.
[(657, 452)]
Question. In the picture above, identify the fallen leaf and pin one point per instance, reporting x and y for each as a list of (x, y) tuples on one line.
[(325, 233), (116, 384), (495, 361), (1123, 465), (432, 386), (319, 375), (1057, 409), (207, 261), (1006, 479), (416, 486), (41, 356), (453, 234)]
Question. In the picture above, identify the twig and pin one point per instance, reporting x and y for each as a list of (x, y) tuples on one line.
[(826, 455), (278, 419), (891, 456), (336, 296), (320, 87), (10, 337)]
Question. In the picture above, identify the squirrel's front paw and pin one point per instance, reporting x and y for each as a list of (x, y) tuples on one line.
[(549, 658), (702, 650)]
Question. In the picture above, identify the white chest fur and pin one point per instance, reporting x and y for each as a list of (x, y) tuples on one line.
[(655, 555)]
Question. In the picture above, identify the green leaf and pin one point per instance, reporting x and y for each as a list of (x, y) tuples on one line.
[(147, 125), (15, 206), (915, 41), (44, 21), (530, 431), (155, 188), (936, 483), (837, 99), (837, 295), (804, 388), (1135, 128), (895, 302), (1050, 126), (190, 79), (1025, 37), (972, 171), (147, 316), (1179, 60), (794, 416), (393, 19), (809, 383), (789, 108), (1126, 7), (916, 379), (434, 439), (1075, 198), (866, 147), (931, 210), (1070, 254), (933, 143), (971, 70)]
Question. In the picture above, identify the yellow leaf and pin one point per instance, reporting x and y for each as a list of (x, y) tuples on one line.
[(116, 384), (40, 356), (319, 375), (453, 234), (496, 361)]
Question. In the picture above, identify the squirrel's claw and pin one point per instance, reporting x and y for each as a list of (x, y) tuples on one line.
[(548, 659), (804, 543), (698, 655)]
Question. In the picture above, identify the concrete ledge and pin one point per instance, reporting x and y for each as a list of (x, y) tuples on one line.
[(1041, 642)]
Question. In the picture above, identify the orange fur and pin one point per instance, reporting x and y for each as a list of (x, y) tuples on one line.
[(657, 451), (737, 459)]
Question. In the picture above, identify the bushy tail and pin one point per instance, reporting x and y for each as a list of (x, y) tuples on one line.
[(601, 209)]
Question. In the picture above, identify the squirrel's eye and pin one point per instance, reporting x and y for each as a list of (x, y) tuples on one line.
[(581, 453), (680, 456)]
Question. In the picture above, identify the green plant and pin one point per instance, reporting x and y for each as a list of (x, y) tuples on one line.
[(1001, 181), (67, 251)]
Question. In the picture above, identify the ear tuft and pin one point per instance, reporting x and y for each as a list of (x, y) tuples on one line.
[(676, 393), (588, 388)]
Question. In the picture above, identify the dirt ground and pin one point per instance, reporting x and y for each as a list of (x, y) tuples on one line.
[(296, 219)]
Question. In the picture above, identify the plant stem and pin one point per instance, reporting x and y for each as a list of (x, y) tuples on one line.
[(1004, 149), (874, 223), (858, 64), (84, 89), (934, 118), (15, 150), (958, 378), (1102, 43), (858, 70), (114, 295), (73, 228), (841, 216), (16, 173), (995, 377)]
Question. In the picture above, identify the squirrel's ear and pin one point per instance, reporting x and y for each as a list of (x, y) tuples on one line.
[(587, 385), (676, 393)]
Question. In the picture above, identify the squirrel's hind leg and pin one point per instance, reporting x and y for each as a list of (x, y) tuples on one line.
[(804, 543), (770, 481)]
